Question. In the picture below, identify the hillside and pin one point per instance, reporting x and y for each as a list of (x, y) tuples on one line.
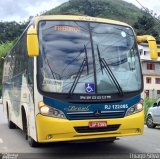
[(113, 9)]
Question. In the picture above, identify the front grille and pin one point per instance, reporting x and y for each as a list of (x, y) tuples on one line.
[(86, 129), (91, 115)]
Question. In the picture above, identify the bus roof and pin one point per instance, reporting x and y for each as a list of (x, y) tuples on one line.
[(78, 18)]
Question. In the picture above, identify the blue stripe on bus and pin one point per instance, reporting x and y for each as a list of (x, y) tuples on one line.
[(70, 109)]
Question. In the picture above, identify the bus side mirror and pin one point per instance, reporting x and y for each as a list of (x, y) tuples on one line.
[(32, 42), (151, 43)]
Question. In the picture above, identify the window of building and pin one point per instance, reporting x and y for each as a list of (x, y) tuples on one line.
[(147, 93), (157, 80), (158, 92), (148, 79), (145, 52), (141, 51), (150, 66)]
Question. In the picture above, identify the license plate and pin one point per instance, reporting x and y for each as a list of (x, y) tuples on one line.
[(97, 124)]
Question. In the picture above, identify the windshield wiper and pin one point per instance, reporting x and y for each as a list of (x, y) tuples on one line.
[(77, 77), (85, 49), (84, 63), (100, 59), (104, 64)]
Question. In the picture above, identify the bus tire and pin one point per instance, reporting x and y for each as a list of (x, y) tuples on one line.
[(24, 123), (111, 141), (32, 142), (11, 125)]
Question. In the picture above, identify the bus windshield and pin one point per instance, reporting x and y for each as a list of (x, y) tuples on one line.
[(87, 57)]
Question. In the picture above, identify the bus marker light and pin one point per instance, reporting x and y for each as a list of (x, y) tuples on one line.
[(138, 130), (49, 136)]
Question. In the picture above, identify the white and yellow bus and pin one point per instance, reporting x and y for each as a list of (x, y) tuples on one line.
[(71, 78)]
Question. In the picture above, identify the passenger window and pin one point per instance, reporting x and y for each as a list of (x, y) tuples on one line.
[(30, 71)]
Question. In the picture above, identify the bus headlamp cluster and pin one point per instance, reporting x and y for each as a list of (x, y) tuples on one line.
[(134, 109), (50, 111)]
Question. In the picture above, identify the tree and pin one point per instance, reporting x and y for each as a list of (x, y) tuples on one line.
[(88, 7), (146, 24), (10, 30)]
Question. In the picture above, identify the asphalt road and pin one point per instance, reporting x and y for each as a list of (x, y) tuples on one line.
[(13, 141)]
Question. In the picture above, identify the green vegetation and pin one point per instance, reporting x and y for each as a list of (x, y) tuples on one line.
[(117, 10), (4, 48), (148, 102), (146, 24), (10, 30)]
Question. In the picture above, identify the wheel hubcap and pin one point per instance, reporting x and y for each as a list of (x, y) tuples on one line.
[(150, 121)]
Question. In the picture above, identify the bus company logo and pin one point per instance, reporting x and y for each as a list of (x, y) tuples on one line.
[(97, 113), (77, 108)]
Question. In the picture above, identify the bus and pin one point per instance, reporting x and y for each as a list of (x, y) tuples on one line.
[(75, 78)]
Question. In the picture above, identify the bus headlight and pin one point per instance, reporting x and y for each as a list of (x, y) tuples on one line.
[(50, 111), (134, 109)]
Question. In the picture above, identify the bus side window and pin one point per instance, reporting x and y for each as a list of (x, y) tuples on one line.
[(30, 71)]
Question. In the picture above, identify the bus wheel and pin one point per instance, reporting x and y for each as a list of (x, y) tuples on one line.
[(24, 122), (11, 125), (111, 141), (32, 142)]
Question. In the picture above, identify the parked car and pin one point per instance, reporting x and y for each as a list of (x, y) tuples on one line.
[(153, 115)]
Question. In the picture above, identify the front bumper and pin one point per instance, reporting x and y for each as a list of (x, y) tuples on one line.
[(54, 130)]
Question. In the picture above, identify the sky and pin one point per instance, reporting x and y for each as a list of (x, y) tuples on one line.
[(150, 4), (21, 10)]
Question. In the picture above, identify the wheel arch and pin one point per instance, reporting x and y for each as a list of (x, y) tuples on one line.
[(7, 110), (150, 113)]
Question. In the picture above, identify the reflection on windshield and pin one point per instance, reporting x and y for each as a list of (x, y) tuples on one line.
[(65, 44)]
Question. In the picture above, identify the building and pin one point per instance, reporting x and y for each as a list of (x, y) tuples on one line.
[(151, 72)]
